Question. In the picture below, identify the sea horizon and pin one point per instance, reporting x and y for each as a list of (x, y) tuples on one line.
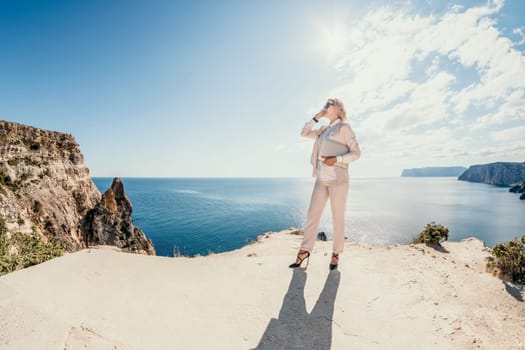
[(201, 215)]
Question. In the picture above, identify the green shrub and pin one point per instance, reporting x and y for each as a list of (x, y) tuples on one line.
[(3, 237), (23, 250), (30, 161), (8, 182), (13, 161), (32, 250), (509, 260), (34, 146), (433, 234), (6, 264)]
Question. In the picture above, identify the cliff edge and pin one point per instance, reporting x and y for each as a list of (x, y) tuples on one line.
[(499, 173)]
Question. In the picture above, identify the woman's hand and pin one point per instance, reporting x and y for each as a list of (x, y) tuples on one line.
[(330, 161), (320, 114)]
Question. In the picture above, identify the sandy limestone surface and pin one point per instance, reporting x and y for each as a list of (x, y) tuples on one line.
[(398, 297)]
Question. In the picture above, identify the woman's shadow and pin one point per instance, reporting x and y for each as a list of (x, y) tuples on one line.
[(296, 328)]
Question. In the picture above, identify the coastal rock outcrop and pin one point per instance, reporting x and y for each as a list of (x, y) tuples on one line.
[(109, 222), (500, 173), (45, 188), (518, 188)]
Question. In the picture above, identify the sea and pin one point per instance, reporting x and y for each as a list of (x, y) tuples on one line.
[(199, 216)]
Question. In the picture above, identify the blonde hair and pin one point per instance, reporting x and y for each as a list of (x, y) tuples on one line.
[(342, 111)]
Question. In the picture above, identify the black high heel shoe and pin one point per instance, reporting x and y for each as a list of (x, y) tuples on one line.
[(334, 266), (298, 264)]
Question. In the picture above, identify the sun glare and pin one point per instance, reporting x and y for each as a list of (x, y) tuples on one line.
[(330, 38)]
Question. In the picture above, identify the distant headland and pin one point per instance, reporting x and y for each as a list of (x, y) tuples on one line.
[(451, 171), (499, 173)]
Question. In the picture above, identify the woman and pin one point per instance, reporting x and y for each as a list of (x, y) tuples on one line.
[(332, 177)]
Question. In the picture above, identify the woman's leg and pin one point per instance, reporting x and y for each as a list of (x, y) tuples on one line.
[(338, 196), (317, 205)]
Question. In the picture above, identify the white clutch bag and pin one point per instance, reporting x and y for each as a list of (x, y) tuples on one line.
[(330, 148)]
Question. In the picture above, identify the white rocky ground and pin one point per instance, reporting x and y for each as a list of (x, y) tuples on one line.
[(400, 297)]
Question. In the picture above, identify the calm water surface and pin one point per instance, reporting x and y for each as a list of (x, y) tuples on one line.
[(199, 215)]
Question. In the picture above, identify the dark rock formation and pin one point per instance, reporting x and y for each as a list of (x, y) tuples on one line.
[(452, 171), (109, 222), (45, 188), (500, 173), (518, 188)]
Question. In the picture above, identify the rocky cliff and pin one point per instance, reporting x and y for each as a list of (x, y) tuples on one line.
[(109, 222), (45, 188), (500, 173)]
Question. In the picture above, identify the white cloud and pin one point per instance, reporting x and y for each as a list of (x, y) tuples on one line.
[(512, 151), (519, 31), (517, 133), (403, 73), (434, 67), (511, 109)]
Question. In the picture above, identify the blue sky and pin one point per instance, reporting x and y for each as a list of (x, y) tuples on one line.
[(208, 88)]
